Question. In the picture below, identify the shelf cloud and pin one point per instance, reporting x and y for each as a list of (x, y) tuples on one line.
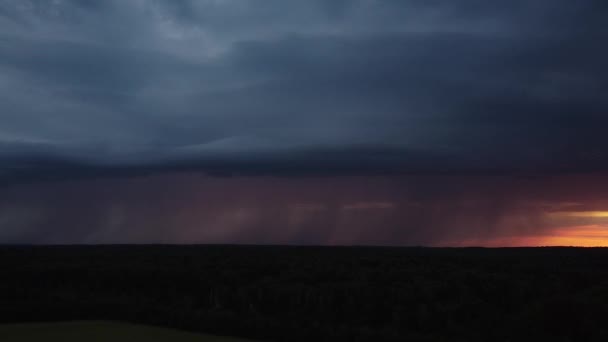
[(124, 90)]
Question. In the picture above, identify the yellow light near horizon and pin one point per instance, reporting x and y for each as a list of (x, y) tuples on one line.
[(592, 235), (581, 236), (579, 214)]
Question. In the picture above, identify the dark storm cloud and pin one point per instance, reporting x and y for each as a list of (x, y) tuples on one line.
[(237, 87)]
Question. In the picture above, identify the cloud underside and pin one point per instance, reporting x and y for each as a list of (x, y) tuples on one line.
[(324, 86)]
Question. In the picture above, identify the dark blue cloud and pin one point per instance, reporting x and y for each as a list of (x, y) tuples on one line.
[(237, 87)]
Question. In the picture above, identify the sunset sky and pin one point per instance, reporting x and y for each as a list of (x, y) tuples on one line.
[(321, 122)]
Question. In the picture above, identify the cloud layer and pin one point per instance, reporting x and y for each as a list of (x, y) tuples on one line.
[(365, 91), (240, 86)]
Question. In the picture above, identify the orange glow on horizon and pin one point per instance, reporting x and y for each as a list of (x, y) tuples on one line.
[(571, 236), (579, 214), (583, 236)]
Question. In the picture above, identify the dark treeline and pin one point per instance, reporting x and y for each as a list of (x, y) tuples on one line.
[(315, 293)]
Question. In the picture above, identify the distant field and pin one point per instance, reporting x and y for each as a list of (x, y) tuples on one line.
[(100, 332), (303, 294)]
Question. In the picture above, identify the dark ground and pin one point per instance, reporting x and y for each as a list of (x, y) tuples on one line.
[(315, 293), (92, 331)]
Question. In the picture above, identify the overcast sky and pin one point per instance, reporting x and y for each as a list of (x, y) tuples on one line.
[(405, 84), (310, 88)]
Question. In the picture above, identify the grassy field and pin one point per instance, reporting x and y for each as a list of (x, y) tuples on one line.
[(100, 332)]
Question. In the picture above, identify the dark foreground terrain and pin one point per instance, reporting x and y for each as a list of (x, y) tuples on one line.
[(323, 294), (100, 332)]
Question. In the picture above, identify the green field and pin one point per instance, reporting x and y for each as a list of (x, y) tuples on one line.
[(100, 332)]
